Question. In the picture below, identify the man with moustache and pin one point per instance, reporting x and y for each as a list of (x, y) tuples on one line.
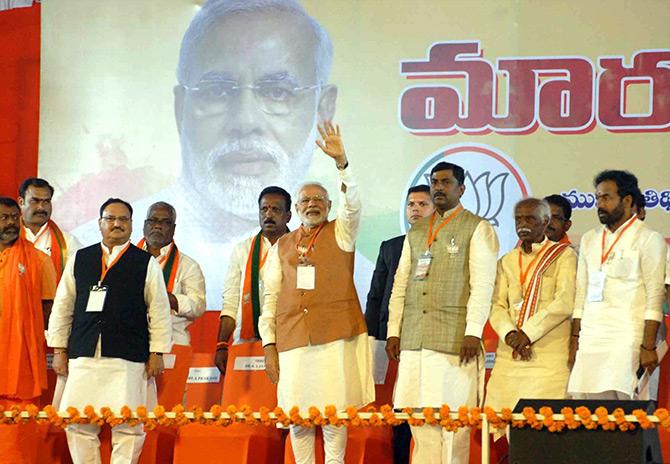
[(313, 331), (109, 328), (27, 288), (419, 204), (185, 286), (252, 85), (560, 223), (35, 196), (243, 300), (532, 303), (438, 308), (619, 295)]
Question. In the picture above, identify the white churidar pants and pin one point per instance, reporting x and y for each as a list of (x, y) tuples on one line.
[(334, 444), (112, 382), (84, 444)]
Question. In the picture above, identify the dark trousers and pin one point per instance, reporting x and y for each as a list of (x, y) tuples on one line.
[(401, 438)]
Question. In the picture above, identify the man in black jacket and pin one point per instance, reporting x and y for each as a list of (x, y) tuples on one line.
[(109, 327), (419, 204)]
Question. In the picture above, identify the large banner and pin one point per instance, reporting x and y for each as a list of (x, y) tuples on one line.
[(140, 100)]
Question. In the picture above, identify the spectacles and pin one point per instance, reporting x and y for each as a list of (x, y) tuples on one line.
[(215, 97), (159, 222), (13, 216), (304, 201), (113, 219)]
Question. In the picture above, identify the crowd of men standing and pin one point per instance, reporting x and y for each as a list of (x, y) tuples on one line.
[(572, 321)]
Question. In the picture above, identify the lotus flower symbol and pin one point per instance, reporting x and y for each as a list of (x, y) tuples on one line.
[(489, 193)]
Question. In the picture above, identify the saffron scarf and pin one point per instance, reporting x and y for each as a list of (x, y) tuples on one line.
[(58, 247), (23, 371), (168, 263)]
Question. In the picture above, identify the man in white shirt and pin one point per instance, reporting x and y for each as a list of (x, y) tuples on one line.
[(35, 196), (313, 331), (185, 286), (109, 328), (439, 305), (243, 300), (619, 295), (532, 303)]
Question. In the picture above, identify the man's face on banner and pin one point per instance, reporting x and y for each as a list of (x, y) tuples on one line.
[(248, 118)]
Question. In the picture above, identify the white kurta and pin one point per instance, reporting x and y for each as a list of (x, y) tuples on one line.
[(233, 288), (546, 374), (612, 329), (427, 375), (101, 381), (189, 289), (42, 240), (338, 373)]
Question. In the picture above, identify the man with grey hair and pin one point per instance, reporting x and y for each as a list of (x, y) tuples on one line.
[(252, 86), (532, 304), (313, 331)]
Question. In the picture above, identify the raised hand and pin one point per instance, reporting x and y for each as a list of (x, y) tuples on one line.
[(331, 142)]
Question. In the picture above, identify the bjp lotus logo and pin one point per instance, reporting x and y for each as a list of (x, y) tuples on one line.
[(493, 185)]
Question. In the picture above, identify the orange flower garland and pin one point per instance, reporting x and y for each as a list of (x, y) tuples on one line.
[(465, 417), (642, 418)]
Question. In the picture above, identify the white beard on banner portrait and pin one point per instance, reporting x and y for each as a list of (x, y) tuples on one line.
[(216, 212)]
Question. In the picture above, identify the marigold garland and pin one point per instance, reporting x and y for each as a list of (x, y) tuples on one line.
[(352, 417)]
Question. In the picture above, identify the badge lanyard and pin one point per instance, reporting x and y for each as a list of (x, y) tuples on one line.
[(432, 236), (105, 267), (605, 254), (303, 255)]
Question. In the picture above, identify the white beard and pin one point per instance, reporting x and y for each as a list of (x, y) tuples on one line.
[(238, 194)]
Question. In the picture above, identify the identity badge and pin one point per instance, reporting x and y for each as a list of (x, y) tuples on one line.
[(96, 299), (306, 277), (423, 266), (596, 287)]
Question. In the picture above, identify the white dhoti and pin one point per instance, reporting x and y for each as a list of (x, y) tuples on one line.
[(338, 373), (110, 382), (429, 378)]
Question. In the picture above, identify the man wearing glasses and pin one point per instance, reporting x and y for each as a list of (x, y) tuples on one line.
[(314, 334), (185, 286), (252, 85), (27, 287), (109, 328)]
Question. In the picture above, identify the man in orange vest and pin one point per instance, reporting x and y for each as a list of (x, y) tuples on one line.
[(313, 331), (27, 289)]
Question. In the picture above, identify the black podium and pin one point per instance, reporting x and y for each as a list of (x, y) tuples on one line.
[(528, 446)]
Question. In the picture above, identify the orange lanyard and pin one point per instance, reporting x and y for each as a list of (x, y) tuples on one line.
[(604, 254), (524, 273), (105, 267), (311, 242), (432, 236)]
